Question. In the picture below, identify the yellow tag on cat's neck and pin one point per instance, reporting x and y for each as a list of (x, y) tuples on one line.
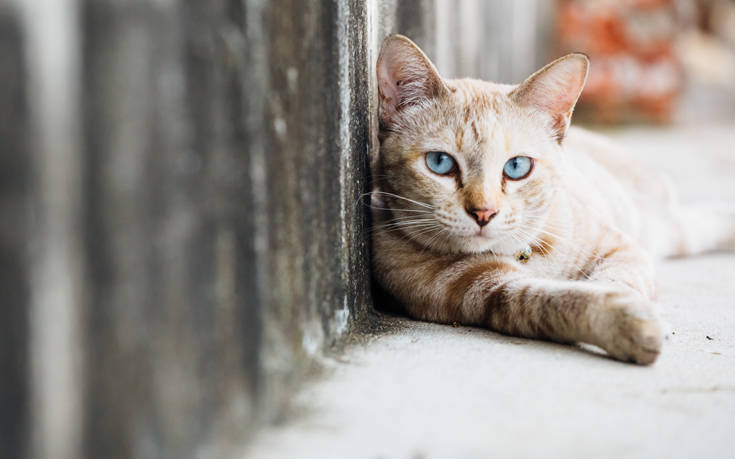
[(524, 255)]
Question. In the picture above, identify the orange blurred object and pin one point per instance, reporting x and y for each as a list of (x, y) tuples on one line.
[(635, 74)]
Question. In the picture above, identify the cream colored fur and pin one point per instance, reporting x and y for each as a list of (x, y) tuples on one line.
[(593, 216)]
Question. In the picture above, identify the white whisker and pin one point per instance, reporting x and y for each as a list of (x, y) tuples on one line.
[(401, 210), (422, 204)]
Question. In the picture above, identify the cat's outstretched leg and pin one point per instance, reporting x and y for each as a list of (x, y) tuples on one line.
[(501, 295), (620, 321)]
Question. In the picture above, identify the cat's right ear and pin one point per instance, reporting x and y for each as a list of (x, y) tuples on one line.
[(406, 77), (554, 90)]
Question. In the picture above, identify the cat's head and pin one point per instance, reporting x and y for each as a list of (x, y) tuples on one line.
[(466, 165)]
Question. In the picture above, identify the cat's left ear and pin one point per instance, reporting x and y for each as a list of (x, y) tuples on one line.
[(406, 77), (554, 90)]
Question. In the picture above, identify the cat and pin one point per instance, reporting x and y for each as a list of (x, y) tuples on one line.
[(490, 210)]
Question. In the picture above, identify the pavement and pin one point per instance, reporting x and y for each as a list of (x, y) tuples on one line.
[(418, 390)]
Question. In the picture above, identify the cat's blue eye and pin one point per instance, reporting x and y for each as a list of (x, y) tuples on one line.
[(440, 163), (518, 167)]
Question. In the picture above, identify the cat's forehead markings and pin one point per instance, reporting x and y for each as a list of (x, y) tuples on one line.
[(459, 137), (495, 128), (459, 134), (475, 132), (494, 104), (467, 110)]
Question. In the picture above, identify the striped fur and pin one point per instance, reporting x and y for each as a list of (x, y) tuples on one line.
[(585, 210)]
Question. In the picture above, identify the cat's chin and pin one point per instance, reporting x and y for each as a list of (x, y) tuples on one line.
[(469, 244), (480, 244)]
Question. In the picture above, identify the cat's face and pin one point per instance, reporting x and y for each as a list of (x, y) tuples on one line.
[(465, 165)]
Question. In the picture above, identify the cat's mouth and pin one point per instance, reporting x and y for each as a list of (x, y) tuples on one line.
[(475, 235), (479, 237), (485, 233)]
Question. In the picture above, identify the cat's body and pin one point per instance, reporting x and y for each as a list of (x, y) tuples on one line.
[(453, 224)]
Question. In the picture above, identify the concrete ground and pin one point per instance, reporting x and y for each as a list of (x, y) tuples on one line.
[(422, 390)]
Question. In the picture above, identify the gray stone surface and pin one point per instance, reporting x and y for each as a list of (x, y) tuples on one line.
[(433, 391), (225, 152), (14, 275)]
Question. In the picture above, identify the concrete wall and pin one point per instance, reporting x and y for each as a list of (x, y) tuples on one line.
[(14, 275), (181, 230)]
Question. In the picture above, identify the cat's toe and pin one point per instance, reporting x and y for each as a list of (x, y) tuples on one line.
[(630, 333), (638, 341)]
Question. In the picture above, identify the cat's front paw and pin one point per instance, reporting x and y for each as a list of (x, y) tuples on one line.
[(627, 329)]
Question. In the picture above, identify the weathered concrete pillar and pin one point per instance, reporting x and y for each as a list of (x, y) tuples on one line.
[(15, 186), (225, 247), (314, 149)]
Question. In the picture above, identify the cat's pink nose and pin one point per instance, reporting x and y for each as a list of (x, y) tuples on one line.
[(482, 216)]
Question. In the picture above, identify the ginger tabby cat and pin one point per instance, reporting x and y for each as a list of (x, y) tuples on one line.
[(489, 210)]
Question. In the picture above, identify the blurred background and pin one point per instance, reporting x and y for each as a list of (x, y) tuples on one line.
[(654, 61), (183, 232)]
